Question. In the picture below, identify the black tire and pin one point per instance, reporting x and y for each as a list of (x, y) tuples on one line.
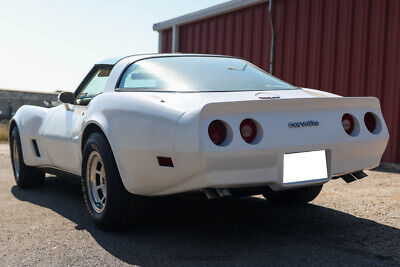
[(121, 208), (25, 176), (298, 196)]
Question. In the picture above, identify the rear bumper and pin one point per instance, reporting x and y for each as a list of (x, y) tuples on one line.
[(197, 170), (265, 167)]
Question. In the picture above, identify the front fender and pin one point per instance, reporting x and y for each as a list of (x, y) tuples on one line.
[(30, 121)]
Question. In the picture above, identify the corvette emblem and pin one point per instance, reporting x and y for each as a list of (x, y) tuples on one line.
[(301, 124)]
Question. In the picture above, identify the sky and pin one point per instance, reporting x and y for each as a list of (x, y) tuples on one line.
[(49, 45)]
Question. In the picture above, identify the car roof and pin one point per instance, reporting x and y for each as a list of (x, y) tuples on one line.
[(115, 60)]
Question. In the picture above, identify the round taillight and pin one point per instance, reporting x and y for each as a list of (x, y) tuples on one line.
[(370, 121), (248, 130), (348, 123), (217, 132)]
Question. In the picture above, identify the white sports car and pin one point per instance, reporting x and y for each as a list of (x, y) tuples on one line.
[(151, 125)]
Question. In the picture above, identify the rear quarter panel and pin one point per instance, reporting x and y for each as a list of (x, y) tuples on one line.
[(139, 129)]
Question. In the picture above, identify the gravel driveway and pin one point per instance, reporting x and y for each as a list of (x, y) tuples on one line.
[(348, 224)]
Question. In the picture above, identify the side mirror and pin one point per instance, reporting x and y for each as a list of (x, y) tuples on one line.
[(66, 97)]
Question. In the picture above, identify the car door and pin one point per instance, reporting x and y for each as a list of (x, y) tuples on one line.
[(63, 129)]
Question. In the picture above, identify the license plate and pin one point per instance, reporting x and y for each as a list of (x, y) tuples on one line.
[(304, 166)]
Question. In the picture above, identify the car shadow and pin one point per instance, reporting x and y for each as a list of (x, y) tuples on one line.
[(245, 231)]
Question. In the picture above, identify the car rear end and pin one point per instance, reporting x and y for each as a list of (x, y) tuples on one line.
[(280, 143)]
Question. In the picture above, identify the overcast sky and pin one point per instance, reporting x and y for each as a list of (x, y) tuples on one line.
[(49, 45)]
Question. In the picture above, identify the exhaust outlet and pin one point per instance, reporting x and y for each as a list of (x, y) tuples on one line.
[(223, 192), (351, 177), (212, 193), (359, 175)]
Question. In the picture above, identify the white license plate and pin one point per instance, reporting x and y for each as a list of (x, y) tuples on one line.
[(304, 166)]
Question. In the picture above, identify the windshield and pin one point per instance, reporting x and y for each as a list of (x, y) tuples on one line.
[(192, 74)]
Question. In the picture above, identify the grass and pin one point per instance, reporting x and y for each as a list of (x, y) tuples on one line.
[(3, 133)]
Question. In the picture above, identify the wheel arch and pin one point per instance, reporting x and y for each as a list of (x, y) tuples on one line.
[(12, 124), (90, 128), (15, 123)]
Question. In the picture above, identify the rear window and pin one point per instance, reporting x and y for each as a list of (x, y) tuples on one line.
[(192, 74)]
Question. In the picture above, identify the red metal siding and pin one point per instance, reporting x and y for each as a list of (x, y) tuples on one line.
[(349, 47), (166, 41)]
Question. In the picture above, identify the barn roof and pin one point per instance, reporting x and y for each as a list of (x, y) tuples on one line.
[(206, 13)]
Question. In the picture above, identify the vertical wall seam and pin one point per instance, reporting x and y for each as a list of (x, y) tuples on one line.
[(367, 41), (397, 92), (224, 46), (335, 48), (384, 65), (283, 42), (306, 80), (321, 46), (350, 68), (294, 61)]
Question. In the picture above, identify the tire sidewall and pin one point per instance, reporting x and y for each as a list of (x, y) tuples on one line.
[(14, 137), (97, 143)]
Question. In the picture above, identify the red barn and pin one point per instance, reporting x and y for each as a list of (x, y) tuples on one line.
[(348, 47)]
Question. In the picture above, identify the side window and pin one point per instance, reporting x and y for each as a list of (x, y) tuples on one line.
[(94, 86), (137, 77)]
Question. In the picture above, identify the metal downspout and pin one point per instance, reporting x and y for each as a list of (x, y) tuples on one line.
[(272, 55)]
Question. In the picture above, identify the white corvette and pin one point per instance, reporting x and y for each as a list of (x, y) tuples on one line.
[(152, 125)]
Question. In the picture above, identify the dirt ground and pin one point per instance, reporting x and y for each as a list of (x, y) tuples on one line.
[(348, 224), (3, 132)]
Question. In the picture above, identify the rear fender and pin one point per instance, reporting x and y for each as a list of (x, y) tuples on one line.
[(138, 131)]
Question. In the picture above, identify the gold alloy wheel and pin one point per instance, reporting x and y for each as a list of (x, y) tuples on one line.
[(96, 182)]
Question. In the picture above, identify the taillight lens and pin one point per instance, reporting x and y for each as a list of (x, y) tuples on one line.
[(370, 121), (248, 130), (348, 123), (217, 132)]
